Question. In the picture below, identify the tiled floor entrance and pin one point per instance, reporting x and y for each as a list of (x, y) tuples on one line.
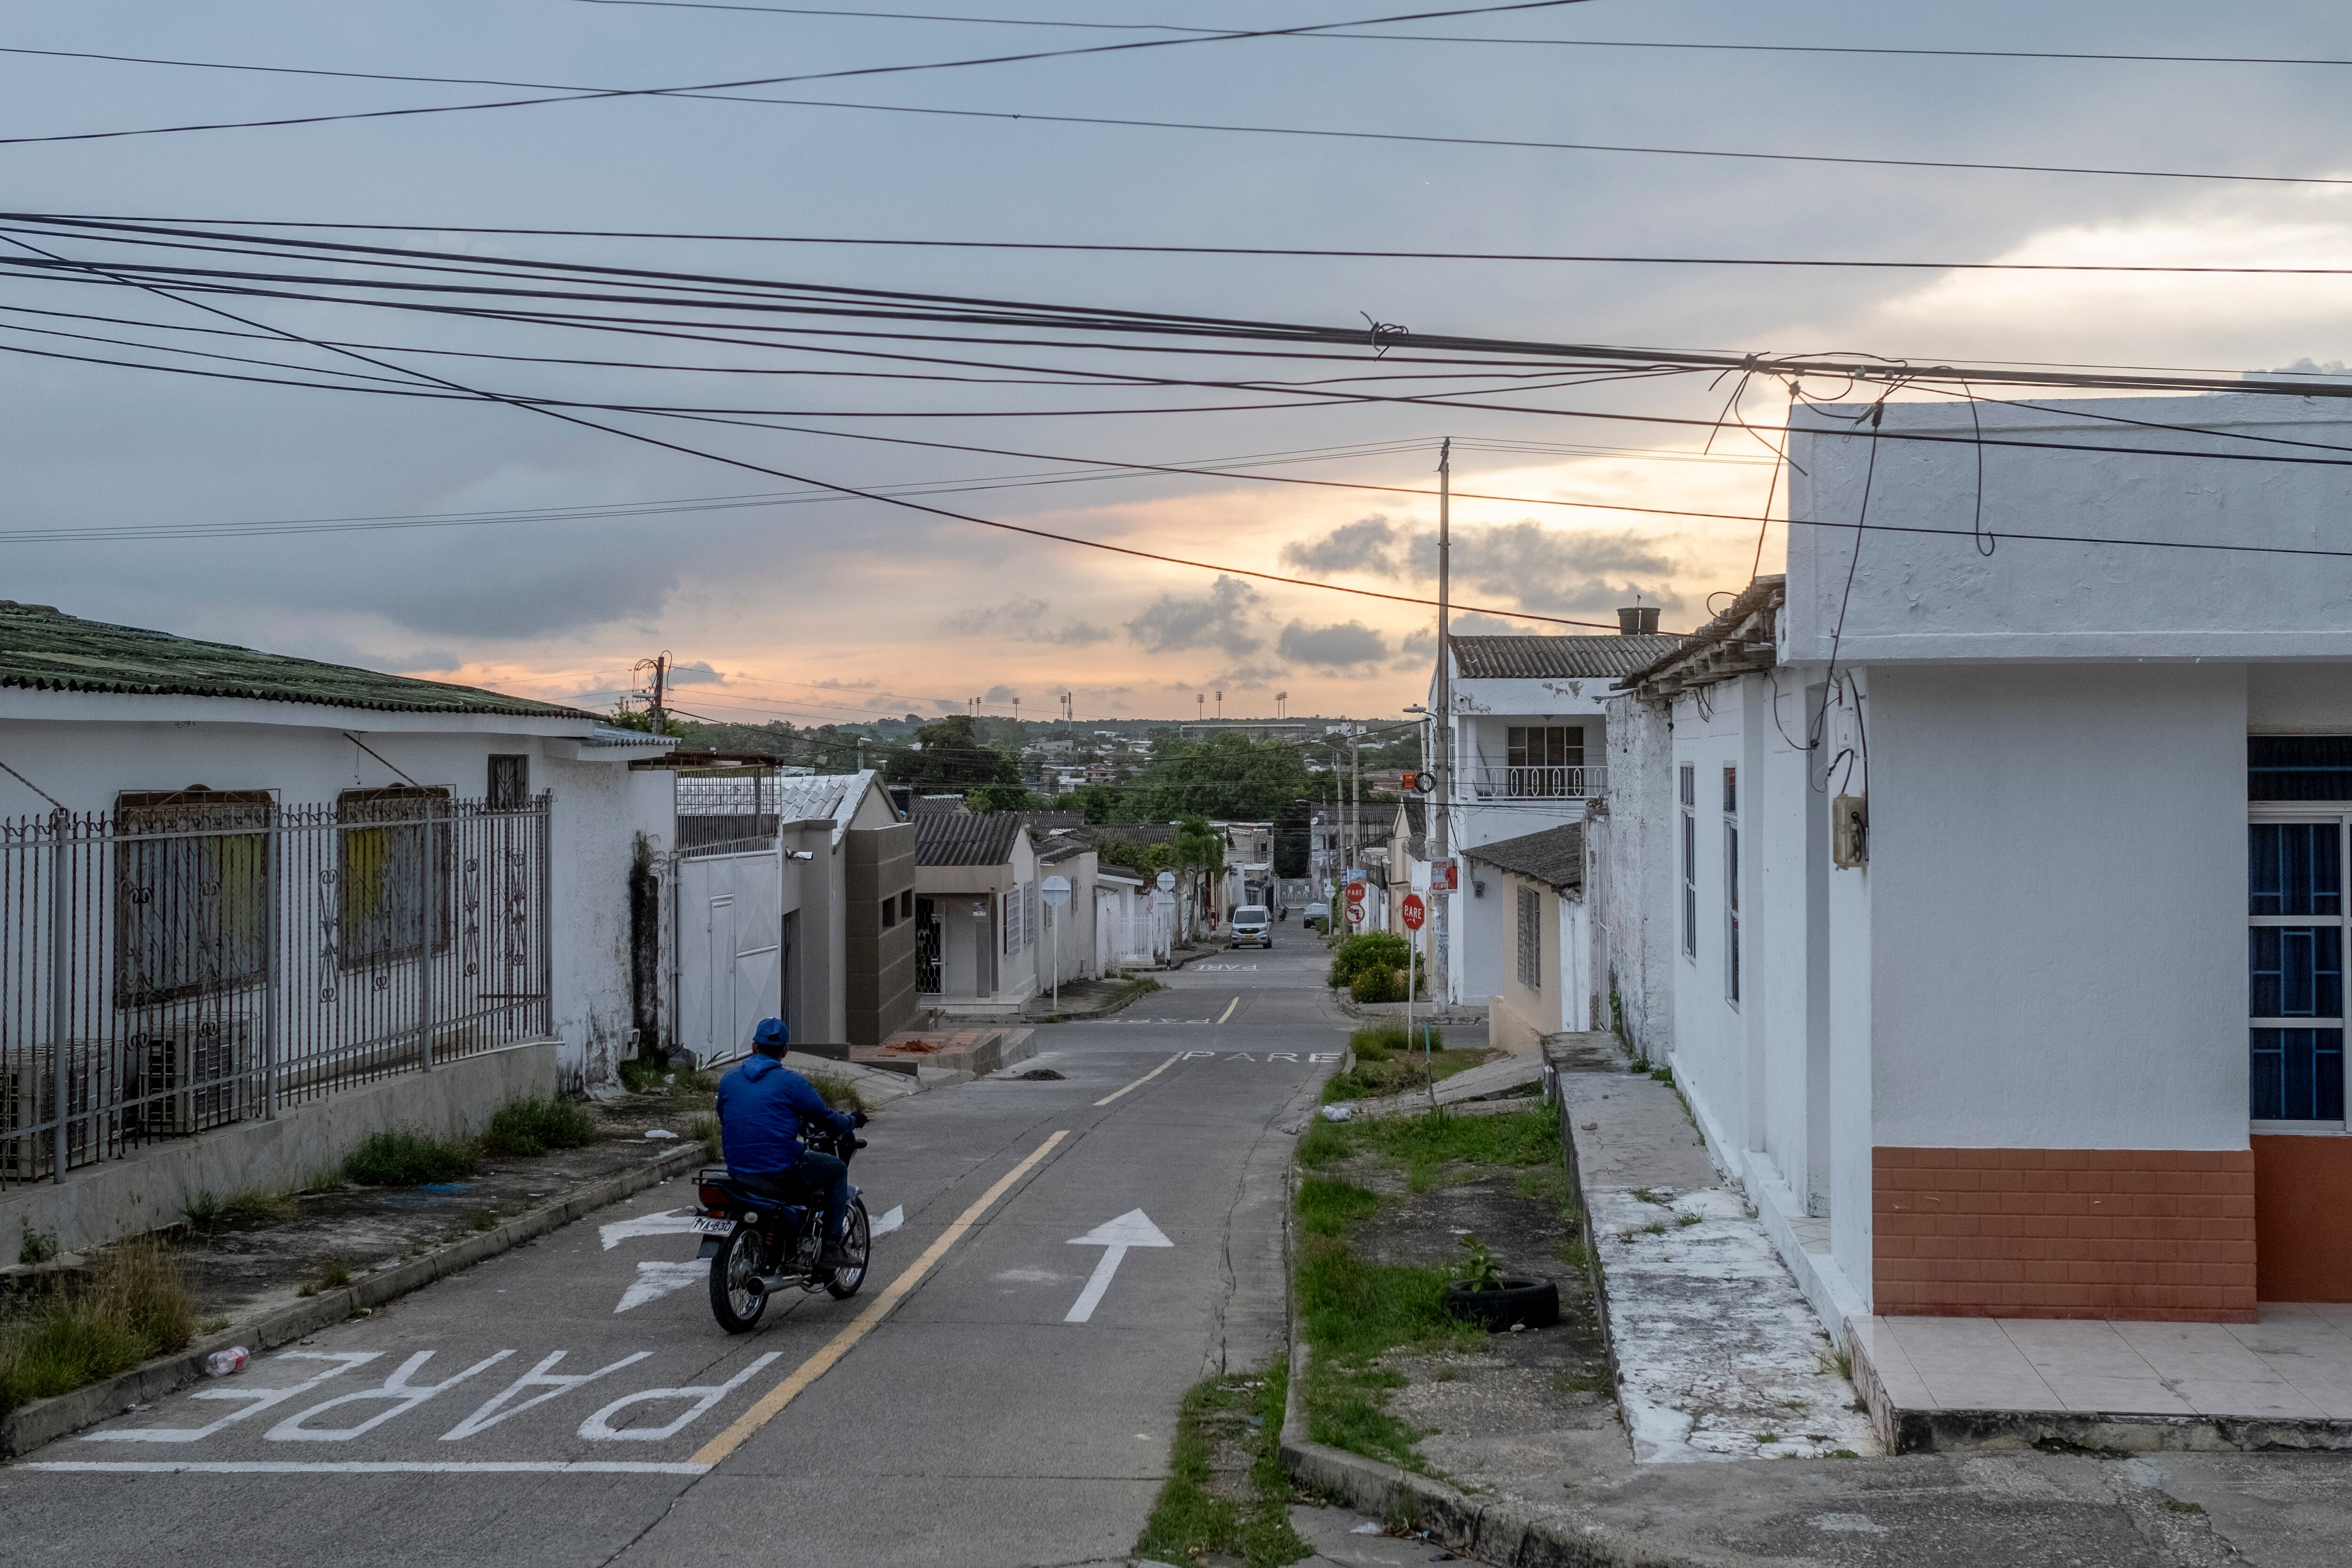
[(2296, 1364)]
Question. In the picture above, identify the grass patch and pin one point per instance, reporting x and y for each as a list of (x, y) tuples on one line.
[(333, 1275), (1323, 1142), (37, 1247), (837, 1092), (1190, 1520), (640, 1075), (1354, 1312), (201, 1209), (523, 1128), (1389, 1063), (1423, 1143), (133, 1307), (1327, 1208), (406, 1159), (705, 1130)]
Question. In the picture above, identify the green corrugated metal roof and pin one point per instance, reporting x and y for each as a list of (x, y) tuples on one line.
[(43, 648)]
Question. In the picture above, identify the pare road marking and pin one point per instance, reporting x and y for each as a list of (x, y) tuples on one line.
[(1291, 1057), (1230, 968)]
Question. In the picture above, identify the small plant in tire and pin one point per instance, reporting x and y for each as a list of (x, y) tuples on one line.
[(1481, 1292)]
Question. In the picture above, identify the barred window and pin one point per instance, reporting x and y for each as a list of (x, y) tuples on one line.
[(1531, 939), (1690, 860), (393, 867), (510, 782), (191, 894)]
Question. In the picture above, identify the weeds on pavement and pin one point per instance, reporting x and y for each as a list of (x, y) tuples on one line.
[(705, 1129), (522, 1128), (133, 1306), (1388, 1061), (1195, 1515), (837, 1092), (406, 1159)]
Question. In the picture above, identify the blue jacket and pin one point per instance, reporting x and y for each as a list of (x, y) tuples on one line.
[(762, 1107)]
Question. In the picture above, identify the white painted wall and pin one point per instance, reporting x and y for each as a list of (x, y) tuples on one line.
[(2058, 864), (1711, 1043), (1632, 891), (1935, 596)]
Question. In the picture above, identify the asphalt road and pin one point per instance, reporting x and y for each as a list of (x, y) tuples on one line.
[(573, 1402)]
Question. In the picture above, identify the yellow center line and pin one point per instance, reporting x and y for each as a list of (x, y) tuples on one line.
[(1229, 1009), (1142, 1081), (817, 1366)]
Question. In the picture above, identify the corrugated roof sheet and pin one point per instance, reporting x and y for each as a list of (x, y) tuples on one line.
[(975, 838), (1558, 658), (1554, 857), (43, 648)]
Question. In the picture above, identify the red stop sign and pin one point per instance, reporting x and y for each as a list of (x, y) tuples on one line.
[(1415, 912), (1355, 893)]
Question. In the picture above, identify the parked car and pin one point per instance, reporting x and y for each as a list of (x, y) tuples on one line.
[(1319, 911), (1253, 926)]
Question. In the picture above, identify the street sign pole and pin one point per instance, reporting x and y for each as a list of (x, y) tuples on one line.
[(1056, 891)]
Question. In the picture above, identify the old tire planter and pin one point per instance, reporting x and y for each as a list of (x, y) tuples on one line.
[(1521, 1303)]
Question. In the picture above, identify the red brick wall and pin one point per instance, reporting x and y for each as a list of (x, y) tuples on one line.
[(2165, 1234)]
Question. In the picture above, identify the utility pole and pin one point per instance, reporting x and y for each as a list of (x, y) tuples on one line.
[(1441, 818), (657, 712)]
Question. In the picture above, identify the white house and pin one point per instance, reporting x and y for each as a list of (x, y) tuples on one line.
[(2006, 909), (977, 916), (1528, 732), (240, 883), (1537, 884)]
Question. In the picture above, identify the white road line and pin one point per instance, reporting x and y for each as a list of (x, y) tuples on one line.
[(371, 1467), (1229, 1008), (888, 1222), (1142, 1081)]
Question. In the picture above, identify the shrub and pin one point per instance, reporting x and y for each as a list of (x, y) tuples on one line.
[(135, 1306), (837, 1092), (527, 1127), (406, 1159), (1377, 984), (1367, 950), (705, 1129)]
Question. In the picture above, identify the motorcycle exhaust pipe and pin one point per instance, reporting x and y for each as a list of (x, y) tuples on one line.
[(766, 1284)]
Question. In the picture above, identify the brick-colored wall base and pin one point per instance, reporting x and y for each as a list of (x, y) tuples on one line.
[(2162, 1234)]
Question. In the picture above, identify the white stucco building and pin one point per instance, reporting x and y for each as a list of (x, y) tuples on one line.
[(1529, 735), (2004, 901)]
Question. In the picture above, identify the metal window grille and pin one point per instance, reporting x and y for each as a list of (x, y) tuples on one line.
[(510, 782), (197, 959), (1690, 784), (926, 946), (1531, 939), (1730, 904)]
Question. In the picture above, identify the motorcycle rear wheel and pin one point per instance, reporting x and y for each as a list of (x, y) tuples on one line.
[(742, 1256), (857, 1241)]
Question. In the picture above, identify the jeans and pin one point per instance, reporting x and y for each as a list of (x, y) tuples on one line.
[(819, 1177)]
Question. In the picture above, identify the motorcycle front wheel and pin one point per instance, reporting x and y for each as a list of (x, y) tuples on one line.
[(857, 1241), (733, 1301)]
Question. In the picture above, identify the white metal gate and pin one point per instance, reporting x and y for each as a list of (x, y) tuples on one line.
[(729, 921)]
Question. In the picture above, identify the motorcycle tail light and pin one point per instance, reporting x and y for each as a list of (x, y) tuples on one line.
[(712, 1198)]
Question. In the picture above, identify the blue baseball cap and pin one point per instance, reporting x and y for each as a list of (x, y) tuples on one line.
[(772, 1032)]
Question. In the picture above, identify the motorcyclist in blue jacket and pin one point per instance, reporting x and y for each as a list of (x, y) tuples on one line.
[(762, 1106)]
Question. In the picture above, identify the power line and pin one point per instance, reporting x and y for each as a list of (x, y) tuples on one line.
[(715, 93), (701, 89), (1474, 39), (1304, 252)]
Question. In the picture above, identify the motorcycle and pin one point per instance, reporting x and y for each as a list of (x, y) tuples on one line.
[(759, 1246)]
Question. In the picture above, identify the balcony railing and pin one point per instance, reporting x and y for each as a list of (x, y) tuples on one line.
[(1537, 783)]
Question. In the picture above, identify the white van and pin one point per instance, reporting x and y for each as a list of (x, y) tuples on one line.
[(1253, 926)]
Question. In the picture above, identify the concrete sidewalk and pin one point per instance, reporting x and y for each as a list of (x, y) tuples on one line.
[(1718, 1355)]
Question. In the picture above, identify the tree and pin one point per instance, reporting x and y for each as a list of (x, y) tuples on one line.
[(996, 796), (950, 758), (1228, 776)]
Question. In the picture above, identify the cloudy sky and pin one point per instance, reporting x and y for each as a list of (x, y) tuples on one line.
[(798, 606)]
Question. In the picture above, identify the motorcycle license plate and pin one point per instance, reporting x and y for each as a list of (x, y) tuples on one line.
[(706, 1226)]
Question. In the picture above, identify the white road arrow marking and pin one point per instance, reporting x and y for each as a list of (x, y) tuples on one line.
[(670, 1224), (1133, 1228), (888, 1222), (655, 1280)]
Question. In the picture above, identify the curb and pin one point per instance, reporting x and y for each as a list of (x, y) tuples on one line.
[(46, 1420)]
